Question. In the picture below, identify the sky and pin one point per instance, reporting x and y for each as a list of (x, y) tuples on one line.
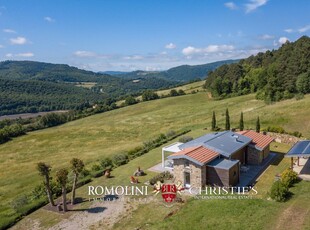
[(127, 35)]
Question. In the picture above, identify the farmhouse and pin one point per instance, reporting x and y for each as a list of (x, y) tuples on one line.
[(216, 158)]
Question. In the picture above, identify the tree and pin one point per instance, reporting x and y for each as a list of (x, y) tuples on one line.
[(241, 124), (213, 121), (77, 167), (303, 83), (149, 95), (62, 179), (173, 93), (257, 125), (130, 100), (44, 171), (181, 92), (279, 192), (289, 177), (227, 124)]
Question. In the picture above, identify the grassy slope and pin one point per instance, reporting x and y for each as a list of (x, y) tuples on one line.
[(108, 133)]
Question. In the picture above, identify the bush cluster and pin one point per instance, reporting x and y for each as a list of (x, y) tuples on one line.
[(279, 129), (161, 177), (280, 188)]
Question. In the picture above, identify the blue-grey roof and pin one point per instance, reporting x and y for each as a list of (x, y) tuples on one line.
[(225, 143), (300, 149), (223, 163)]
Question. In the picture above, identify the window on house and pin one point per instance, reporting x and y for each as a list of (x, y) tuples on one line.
[(186, 164), (235, 173)]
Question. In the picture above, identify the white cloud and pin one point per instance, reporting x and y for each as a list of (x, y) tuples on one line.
[(190, 50), (9, 31), (231, 5), (304, 29), (18, 41), (133, 57), (266, 37), (49, 19), (289, 30), (29, 54), (170, 46), (254, 4), (282, 40), (1, 46), (83, 54)]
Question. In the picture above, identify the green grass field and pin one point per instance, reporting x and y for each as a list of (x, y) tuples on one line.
[(105, 134)]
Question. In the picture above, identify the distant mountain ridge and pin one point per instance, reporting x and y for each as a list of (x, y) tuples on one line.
[(183, 73), (29, 86)]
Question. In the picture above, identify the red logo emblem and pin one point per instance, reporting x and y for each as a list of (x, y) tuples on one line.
[(168, 191)]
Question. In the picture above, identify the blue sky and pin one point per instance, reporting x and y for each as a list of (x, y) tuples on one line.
[(147, 34)]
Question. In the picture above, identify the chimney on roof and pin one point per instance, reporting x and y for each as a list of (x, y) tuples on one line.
[(236, 137)]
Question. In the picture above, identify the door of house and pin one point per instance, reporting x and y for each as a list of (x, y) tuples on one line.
[(187, 179)]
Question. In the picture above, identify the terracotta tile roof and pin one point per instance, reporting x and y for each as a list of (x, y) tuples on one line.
[(258, 139), (200, 154)]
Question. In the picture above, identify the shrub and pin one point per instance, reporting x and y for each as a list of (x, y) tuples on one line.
[(299, 96), (181, 92), (19, 203), (279, 192), (185, 139), (95, 167), (173, 93), (120, 159), (133, 153), (106, 163), (85, 173), (97, 173), (38, 192), (289, 177), (160, 138), (170, 133), (161, 177), (275, 129)]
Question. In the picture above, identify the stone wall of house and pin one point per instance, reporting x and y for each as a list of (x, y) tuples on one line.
[(178, 170), (198, 175), (197, 172), (266, 152), (284, 138), (254, 156)]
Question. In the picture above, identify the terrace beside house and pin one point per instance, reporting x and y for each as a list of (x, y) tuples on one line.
[(218, 159)]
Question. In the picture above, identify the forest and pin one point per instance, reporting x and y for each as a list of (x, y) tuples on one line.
[(274, 75)]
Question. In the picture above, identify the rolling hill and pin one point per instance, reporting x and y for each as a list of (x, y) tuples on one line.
[(183, 73), (274, 75), (27, 86)]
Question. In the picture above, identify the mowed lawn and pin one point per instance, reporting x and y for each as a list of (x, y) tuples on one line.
[(105, 134)]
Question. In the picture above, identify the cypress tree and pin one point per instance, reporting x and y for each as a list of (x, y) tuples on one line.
[(257, 125), (227, 124), (241, 125), (213, 121)]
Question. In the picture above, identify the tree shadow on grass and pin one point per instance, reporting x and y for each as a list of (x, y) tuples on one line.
[(89, 210)]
